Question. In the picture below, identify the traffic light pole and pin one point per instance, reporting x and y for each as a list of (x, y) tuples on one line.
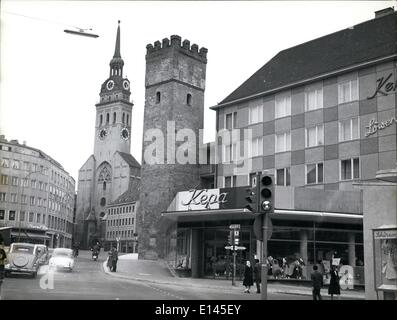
[(234, 261), (264, 269)]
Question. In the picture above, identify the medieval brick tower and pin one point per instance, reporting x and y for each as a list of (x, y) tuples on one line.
[(174, 100)]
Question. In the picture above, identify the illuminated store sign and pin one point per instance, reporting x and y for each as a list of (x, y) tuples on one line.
[(374, 126), (385, 86)]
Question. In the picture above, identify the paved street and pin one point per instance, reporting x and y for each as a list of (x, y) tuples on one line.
[(89, 281)]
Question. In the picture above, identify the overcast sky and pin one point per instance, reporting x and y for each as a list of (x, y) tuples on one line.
[(50, 80)]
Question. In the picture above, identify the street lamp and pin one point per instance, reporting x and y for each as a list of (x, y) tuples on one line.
[(22, 191)]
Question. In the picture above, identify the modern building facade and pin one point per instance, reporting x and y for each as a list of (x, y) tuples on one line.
[(121, 220), (37, 196), (320, 117), (107, 173)]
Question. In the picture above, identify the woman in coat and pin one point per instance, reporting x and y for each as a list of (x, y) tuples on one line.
[(248, 278), (334, 287)]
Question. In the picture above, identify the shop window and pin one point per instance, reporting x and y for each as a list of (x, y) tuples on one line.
[(283, 177)]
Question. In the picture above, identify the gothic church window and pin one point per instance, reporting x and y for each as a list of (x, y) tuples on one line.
[(123, 119), (104, 174)]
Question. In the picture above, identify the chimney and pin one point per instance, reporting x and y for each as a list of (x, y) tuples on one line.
[(384, 12)]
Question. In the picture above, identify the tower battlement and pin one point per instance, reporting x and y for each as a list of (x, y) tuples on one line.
[(176, 43)]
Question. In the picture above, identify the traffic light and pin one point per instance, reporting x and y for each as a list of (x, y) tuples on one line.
[(236, 237), (230, 238), (266, 194), (252, 197)]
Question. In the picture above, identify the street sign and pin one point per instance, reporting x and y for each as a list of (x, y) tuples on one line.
[(235, 248), (234, 226)]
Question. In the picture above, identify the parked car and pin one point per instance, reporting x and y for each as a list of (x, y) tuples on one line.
[(62, 258), (43, 253), (22, 258)]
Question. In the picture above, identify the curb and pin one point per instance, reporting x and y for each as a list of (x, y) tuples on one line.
[(294, 292)]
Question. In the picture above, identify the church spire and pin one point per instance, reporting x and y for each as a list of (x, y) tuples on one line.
[(117, 63)]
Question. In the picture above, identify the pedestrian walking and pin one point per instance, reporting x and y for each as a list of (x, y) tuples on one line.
[(109, 260), (248, 273), (114, 257), (334, 287), (317, 282), (3, 260), (257, 275)]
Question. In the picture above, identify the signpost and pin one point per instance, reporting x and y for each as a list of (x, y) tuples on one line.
[(234, 247)]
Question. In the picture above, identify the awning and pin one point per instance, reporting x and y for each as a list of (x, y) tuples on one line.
[(209, 215), (244, 214), (30, 235)]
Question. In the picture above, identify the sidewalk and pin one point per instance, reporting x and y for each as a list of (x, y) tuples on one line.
[(158, 272)]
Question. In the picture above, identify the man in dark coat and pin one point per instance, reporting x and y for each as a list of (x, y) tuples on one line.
[(248, 281), (317, 281), (257, 275), (114, 257), (334, 286)]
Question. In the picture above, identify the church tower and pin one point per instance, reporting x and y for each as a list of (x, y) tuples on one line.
[(113, 112), (107, 173), (175, 84)]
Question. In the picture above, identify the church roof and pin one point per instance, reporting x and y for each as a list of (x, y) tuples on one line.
[(131, 195), (370, 40), (130, 159)]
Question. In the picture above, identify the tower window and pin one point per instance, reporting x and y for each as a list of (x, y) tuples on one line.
[(114, 117), (100, 120), (123, 119), (158, 96), (104, 185), (189, 99), (107, 118), (128, 119)]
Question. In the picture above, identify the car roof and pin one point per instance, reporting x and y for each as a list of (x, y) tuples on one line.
[(63, 249), (23, 244)]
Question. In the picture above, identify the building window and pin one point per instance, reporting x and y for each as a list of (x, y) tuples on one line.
[(231, 120), (38, 218), (158, 97), (4, 179), (255, 114), (31, 216), (11, 215), (114, 117), (14, 181), (230, 153), (5, 163), (123, 118), (3, 196), (350, 169), (348, 91), (283, 177), (13, 197), (349, 129), (32, 201), (15, 164), (107, 118), (22, 216), (43, 221), (128, 119), (283, 105), (189, 99), (256, 147), (313, 99), (314, 173), (100, 120), (283, 142), (315, 136), (2, 213), (230, 181)]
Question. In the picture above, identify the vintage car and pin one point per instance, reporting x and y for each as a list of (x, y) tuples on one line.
[(44, 255), (62, 259), (23, 258)]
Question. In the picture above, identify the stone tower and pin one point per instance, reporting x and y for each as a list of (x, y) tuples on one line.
[(174, 100)]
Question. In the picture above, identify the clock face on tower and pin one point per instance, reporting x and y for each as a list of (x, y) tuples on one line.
[(110, 85), (102, 134), (126, 84), (125, 134)]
